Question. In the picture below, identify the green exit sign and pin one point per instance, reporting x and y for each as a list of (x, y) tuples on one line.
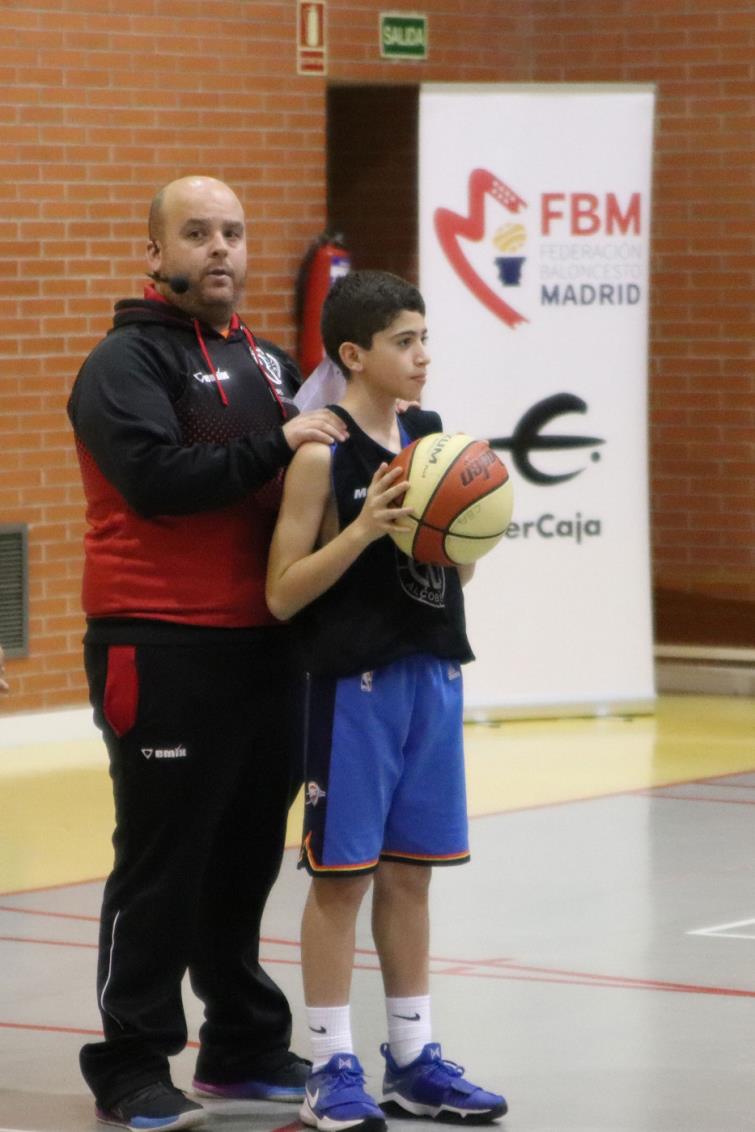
[(403, 36)]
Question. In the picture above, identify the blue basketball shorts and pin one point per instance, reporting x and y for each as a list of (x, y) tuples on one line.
[(384, 775)]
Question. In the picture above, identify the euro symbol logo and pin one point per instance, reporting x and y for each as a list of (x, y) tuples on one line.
[(527, 437)]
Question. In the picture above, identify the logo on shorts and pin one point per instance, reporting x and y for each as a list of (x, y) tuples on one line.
[(179, 752), (314, 794), (366, 682), (453, 672)]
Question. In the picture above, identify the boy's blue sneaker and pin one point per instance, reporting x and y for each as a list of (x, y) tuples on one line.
[(155, 1108), (430, 1086), (335, 1098), (286, 1084)]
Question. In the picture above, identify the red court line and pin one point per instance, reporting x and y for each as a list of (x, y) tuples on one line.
[(50, 942), (505, 969), (44, 912), (618, 980), (596, 983), (40, 1029), (717, 782), (636, 792), (656, 793), (52, 887)]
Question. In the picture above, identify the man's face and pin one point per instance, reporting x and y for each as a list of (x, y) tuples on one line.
[(202, 237)]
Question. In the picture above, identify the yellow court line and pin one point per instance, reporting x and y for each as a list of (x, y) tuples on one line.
[(56, 807)]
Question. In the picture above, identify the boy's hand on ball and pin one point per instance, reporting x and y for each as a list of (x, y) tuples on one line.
[(381, 512)]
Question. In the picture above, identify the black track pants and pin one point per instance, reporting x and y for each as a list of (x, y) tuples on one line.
[(206, 761)]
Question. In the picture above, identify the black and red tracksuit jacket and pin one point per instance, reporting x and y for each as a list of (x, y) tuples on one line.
[(179, 439)]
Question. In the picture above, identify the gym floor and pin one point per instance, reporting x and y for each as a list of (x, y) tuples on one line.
[(595, 962)]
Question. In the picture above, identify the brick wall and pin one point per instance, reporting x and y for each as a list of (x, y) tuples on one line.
[(101, 102), (701, 55)]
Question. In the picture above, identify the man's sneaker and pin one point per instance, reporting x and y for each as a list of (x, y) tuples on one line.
[(286, 1083), (157, 1107), (430, 1086), (335, 1098)]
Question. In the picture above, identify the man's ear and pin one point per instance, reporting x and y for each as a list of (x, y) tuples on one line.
[(351, 356), (153, 255)]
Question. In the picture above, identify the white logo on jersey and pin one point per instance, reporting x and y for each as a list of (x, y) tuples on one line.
[(366, 682), (314, 794), (271, 364), (424, 583), (360, 492), (209, 378)]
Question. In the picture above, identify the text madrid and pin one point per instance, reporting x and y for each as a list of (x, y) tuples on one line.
[(585, 295)]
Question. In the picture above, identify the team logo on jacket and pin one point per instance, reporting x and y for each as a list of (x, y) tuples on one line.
[(423, 583), (365, 682), (272, 366), (314, 793), (209, 378)]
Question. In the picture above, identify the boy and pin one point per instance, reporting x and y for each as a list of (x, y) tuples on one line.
[(383, 638)]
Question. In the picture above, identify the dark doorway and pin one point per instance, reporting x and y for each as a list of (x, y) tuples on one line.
[(372, 175)]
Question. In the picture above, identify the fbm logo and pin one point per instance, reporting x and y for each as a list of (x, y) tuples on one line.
[(585, 215), (588, 248)]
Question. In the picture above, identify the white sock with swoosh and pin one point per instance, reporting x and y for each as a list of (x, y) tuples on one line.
[(409, 1027), (329, 1032)]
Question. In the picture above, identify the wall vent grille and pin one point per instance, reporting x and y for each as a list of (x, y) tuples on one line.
[(14, 589)]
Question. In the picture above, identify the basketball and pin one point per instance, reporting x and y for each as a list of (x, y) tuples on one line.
[(461, 495)]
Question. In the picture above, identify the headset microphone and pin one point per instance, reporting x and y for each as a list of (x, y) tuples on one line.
[(178, 284)]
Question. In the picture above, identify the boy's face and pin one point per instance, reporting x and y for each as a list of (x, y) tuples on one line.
[(398, 359)]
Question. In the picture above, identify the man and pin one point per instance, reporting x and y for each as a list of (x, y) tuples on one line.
[(184, 423)]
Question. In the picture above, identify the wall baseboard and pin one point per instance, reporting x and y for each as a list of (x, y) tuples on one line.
[(705, 670)]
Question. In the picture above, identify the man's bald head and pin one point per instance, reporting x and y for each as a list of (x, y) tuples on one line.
[(161, 199), (197, 230)]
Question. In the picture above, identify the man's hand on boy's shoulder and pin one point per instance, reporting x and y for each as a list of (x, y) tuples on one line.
[(320, 425)]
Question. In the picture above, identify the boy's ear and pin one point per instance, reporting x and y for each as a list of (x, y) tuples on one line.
[(351, 356)]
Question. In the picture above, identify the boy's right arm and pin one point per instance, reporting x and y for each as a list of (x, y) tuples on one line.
[(297, 573)]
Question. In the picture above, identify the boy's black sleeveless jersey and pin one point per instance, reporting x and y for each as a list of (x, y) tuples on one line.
[(386, 606)]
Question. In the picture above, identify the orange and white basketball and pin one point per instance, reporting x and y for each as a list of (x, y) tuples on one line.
[(461, 495)]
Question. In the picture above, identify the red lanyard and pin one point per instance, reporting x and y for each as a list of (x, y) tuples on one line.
[(256, 354)]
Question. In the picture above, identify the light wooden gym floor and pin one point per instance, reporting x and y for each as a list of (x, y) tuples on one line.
[(595, 961)]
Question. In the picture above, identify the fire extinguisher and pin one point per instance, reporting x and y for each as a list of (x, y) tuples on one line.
[(325, 261)]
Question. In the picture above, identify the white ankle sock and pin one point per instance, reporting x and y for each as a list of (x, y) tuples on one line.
[(329, 1032), (409, 1028)]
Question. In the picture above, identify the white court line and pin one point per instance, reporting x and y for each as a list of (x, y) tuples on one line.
[(721, 930)]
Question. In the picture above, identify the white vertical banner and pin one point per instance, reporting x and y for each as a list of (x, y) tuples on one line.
[(534, 206)]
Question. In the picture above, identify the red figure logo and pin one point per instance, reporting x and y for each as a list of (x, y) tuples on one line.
[(449, 226)]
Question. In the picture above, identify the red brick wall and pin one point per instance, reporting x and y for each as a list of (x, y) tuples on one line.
[(102, 102), (701, 55)]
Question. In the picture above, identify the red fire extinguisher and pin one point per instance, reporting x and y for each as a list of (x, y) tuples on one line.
[(326, 260)]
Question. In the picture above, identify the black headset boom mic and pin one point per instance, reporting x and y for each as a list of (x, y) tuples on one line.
[(178, 284)]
